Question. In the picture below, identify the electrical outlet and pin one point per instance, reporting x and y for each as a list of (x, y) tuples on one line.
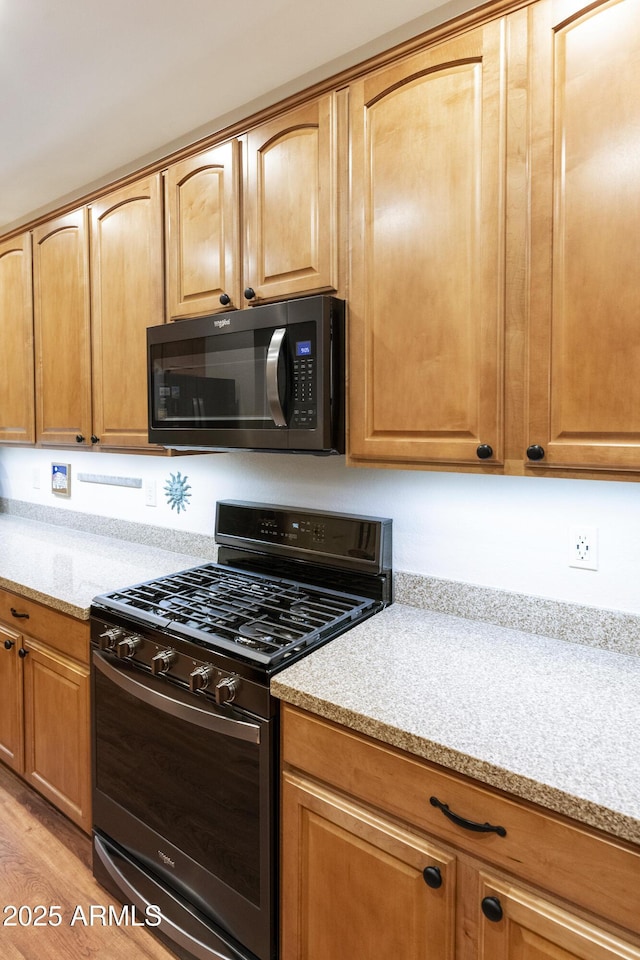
[(150, 498), (583, 547)]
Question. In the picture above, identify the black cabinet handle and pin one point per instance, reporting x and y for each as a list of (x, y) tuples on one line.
[(79, 438), (8, 644), (535, 452), (19, 616), (225, 299), (94, 439), (467, 824), (432, 877), (492, 909), (22, 653), (250, 293), (484, 451)]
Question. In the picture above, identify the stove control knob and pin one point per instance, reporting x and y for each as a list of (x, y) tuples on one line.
[(107, 640), (200, 677), (128, 646), (226, 689), (162, 661)]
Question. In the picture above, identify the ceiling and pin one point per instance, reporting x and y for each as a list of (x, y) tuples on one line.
[(92, 90)]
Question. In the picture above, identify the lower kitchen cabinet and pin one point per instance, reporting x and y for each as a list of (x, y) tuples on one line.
[(44, 718), (372, 867), (357, 883), (11, 715)]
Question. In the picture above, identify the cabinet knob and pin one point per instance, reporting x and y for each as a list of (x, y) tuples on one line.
[(79, 438), (484, 451), (8, 644), (492, 909), (94, 439), (250, 293), (535, 452), (22, 653), (432, 877), (225, 299)]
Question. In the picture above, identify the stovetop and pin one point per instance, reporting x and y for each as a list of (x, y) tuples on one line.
[(259, 618), (287, 580)]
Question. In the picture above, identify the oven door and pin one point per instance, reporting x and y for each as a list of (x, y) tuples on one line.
[(184, 804)]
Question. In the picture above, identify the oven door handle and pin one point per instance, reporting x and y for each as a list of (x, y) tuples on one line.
[(238, 729), (273, 393)]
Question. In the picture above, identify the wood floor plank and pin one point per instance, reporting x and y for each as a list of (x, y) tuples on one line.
[(45, 861)]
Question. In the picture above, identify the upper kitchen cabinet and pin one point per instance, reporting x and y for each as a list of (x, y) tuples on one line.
[(62, 330), (127, 297), (584, 387), (427, 252), (291, 203), (17, 416), (202, 232)]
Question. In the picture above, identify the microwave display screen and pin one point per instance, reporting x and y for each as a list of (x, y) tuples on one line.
[(303, 348)]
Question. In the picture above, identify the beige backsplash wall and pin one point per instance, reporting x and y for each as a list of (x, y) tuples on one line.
[(509, 533)]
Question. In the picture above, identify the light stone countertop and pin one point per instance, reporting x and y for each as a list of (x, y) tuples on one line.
[(553, 722), (65, 569)]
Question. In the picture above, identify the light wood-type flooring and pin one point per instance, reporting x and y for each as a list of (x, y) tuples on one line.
[(45, 861)]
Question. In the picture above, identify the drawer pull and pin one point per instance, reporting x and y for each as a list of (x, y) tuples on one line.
[(467, 824), (19, 616), (432, 877), (492, 909)]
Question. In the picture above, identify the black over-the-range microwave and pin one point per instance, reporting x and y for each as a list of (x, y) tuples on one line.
[(270, 377)]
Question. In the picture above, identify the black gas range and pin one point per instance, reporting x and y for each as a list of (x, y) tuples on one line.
[(185, 731)]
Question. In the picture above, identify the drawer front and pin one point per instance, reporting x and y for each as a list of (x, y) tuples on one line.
[(559, 855), (56, 629)]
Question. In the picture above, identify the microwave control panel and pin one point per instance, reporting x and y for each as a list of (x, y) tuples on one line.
[(304, 413)]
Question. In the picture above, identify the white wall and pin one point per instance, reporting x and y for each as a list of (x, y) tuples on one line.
[(504, 532)]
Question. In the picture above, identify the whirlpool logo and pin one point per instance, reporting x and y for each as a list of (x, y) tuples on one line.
[(222, 323), (168, 862)]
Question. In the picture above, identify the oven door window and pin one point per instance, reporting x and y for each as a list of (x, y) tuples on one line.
[(206, 790), (219, 382)]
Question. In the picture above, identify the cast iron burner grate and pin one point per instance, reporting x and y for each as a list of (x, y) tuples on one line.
[(251, 614)]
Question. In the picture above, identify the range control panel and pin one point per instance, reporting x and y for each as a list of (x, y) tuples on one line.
[(358, 541)]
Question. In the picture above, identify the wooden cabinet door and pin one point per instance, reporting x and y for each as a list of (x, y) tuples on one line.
[(202, 232), (533, 929), (57, 752), (291, 203), (62, 330), (427, 252), (353, 884), (17, 414), (584, 388), (11, 720), (127, 297)]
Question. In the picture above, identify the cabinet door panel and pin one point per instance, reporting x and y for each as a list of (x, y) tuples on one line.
[(17, 411), (62, 329), (352, 883), (202, 216), (534, 929), (11, 721), (291, 202), (127, 297), (426, 309), (57, 761), (585, 346)]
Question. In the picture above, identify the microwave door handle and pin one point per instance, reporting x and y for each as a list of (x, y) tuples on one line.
[(273, 395)]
